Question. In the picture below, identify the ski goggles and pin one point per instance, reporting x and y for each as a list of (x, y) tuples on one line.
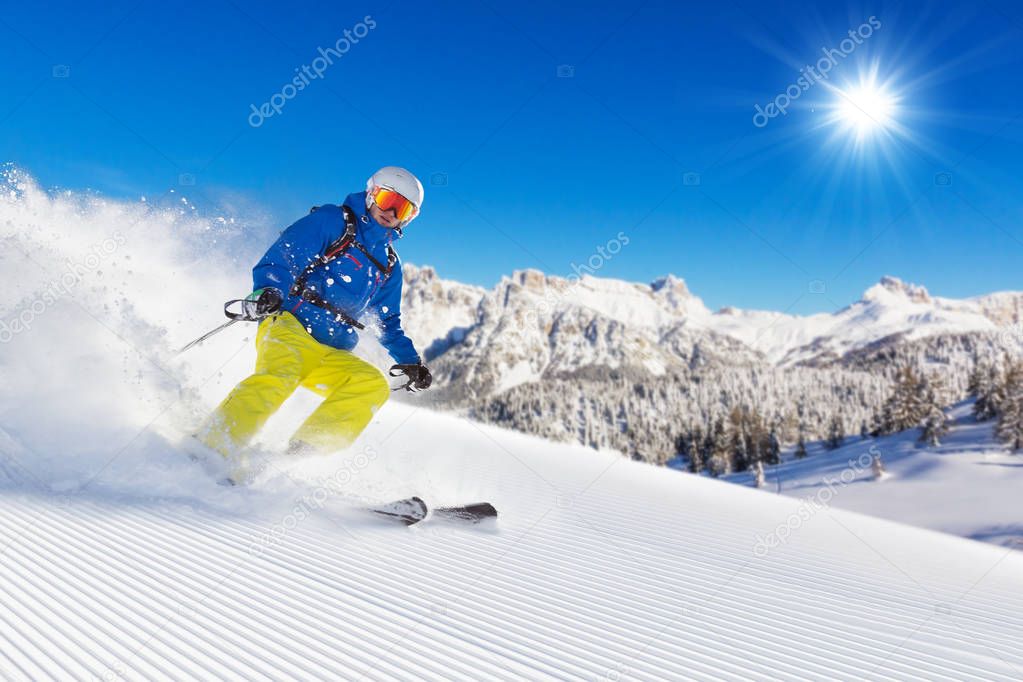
[(387, 199)]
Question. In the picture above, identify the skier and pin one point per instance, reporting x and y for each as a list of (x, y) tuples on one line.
[(310, 289)]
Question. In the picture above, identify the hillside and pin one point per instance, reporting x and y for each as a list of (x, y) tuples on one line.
[(599, 568), (969, 485)]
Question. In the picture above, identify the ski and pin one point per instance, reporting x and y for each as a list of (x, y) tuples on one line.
[(412, 510), (408, 511), (473, 513)]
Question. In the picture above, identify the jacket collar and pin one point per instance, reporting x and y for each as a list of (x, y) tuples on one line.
[(370, 232)]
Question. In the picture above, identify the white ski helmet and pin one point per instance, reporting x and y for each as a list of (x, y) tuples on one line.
[(399, 180)]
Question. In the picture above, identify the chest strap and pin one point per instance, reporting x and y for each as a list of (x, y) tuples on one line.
[(335, 250)]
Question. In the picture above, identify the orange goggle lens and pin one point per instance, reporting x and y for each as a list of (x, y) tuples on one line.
[(387, 200)]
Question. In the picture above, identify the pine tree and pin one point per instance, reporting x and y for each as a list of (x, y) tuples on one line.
[(682, 448), (836, 433), (905, 406), (694, 440), (976, 378), (986, 388), (934, 424), (864, 431), (736, 453), (707, 449), (800, 448), (739, 451), (1010, 420), (720, 459), (773, 448)]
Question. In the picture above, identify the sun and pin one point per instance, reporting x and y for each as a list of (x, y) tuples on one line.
[(865, 109)]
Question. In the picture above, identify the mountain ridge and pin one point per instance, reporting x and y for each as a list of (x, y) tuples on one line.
[(580, 350)]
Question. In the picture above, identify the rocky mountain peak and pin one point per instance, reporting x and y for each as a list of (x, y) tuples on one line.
[(893, 286)]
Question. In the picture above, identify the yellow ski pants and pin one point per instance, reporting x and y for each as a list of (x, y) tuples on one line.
[(287, 357)]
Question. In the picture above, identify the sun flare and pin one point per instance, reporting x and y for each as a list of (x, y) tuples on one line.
[(865, 109)]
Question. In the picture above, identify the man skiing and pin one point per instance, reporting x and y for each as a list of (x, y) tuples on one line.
[(311, 287)]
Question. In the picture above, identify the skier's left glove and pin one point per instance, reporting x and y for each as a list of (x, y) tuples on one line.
[(419, 377), (262, 303)]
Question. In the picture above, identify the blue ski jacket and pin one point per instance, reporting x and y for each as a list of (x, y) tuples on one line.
[(350, 282)]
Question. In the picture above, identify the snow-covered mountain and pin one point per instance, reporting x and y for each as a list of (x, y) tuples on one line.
[(889, 309), (529, 303), (437, 312), (566, 357)]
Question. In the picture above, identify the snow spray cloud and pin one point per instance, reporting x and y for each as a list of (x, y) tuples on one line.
[(809, 506), (1009, 336), (326, 488), (307, 73), (813, 74), (92, 393), (552, 297), (75, 271)]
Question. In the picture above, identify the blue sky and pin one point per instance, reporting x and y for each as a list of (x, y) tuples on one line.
[(543, 170)]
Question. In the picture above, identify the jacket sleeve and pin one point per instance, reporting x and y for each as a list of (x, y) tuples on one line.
[(387, 305), (303, 242)]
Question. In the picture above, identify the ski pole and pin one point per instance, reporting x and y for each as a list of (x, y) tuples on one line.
[(207, 335), (247, 314)]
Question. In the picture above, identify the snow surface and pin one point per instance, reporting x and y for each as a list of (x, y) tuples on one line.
[(969, 485), (600, 568), (123, 559)]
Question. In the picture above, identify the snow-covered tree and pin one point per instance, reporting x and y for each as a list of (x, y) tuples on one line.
[(985, 386), (877, 466), (934, 423), (707, 448), (908, 403), (1010, 419), (760, 478), (773, 448), (738, 449), (836, 433), (720, 460), (864, 430), (692, 441), (934, 426), (800, 448)]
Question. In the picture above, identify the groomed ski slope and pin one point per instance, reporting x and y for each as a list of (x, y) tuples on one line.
[(599, 568)]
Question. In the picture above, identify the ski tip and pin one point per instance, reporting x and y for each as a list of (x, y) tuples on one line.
[(408, 511), (476, 512)]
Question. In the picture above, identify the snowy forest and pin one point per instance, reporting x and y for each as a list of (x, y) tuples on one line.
[(721, 420)]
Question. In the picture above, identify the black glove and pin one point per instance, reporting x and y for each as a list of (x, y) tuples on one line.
[(262, 303), (419, 377)]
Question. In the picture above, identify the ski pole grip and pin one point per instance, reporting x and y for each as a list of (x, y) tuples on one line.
[(243, 316)]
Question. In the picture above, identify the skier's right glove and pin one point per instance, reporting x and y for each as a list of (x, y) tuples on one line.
[(262, 303), (419, 377)]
